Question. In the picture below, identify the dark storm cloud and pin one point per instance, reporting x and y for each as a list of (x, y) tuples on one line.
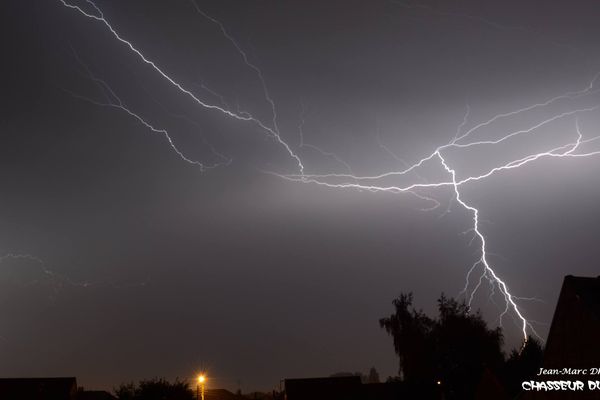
[(255, 277)]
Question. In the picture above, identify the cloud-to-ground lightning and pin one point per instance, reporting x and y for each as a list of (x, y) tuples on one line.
[(567, 150), (453, 180)]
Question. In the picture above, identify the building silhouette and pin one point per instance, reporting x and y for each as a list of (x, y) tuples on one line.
[(351, 388), (38, 388), (48, 389), (574, 339)]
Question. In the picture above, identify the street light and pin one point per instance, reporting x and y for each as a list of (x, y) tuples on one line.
[(200, 387)]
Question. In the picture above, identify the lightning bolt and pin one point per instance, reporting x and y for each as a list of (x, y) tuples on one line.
[(564, 151), (114, 101), (248, 63), (462, 140), (483, 260), (272, 131)]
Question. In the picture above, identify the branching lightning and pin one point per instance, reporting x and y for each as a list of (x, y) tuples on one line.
[(236, 115), (454, 181)]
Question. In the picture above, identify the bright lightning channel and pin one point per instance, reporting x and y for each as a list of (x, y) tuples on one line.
[(564, 151), (370, 183), (272, 131)]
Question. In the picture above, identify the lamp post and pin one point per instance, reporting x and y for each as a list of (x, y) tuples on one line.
[(200, 387)]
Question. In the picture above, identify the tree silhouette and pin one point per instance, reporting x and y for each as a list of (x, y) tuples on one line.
[(373, 376), (522, 365), (155, 389), (410, 329), (451, 351)]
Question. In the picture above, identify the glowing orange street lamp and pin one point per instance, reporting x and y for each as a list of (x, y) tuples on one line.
[(200, 387)]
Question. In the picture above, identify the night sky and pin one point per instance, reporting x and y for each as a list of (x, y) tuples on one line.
[(135, 263)]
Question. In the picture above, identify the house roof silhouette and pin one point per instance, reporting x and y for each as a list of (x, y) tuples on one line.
[(573, 337), (38, 388)]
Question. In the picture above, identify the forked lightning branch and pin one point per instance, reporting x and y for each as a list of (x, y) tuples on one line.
[(575, 144)]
